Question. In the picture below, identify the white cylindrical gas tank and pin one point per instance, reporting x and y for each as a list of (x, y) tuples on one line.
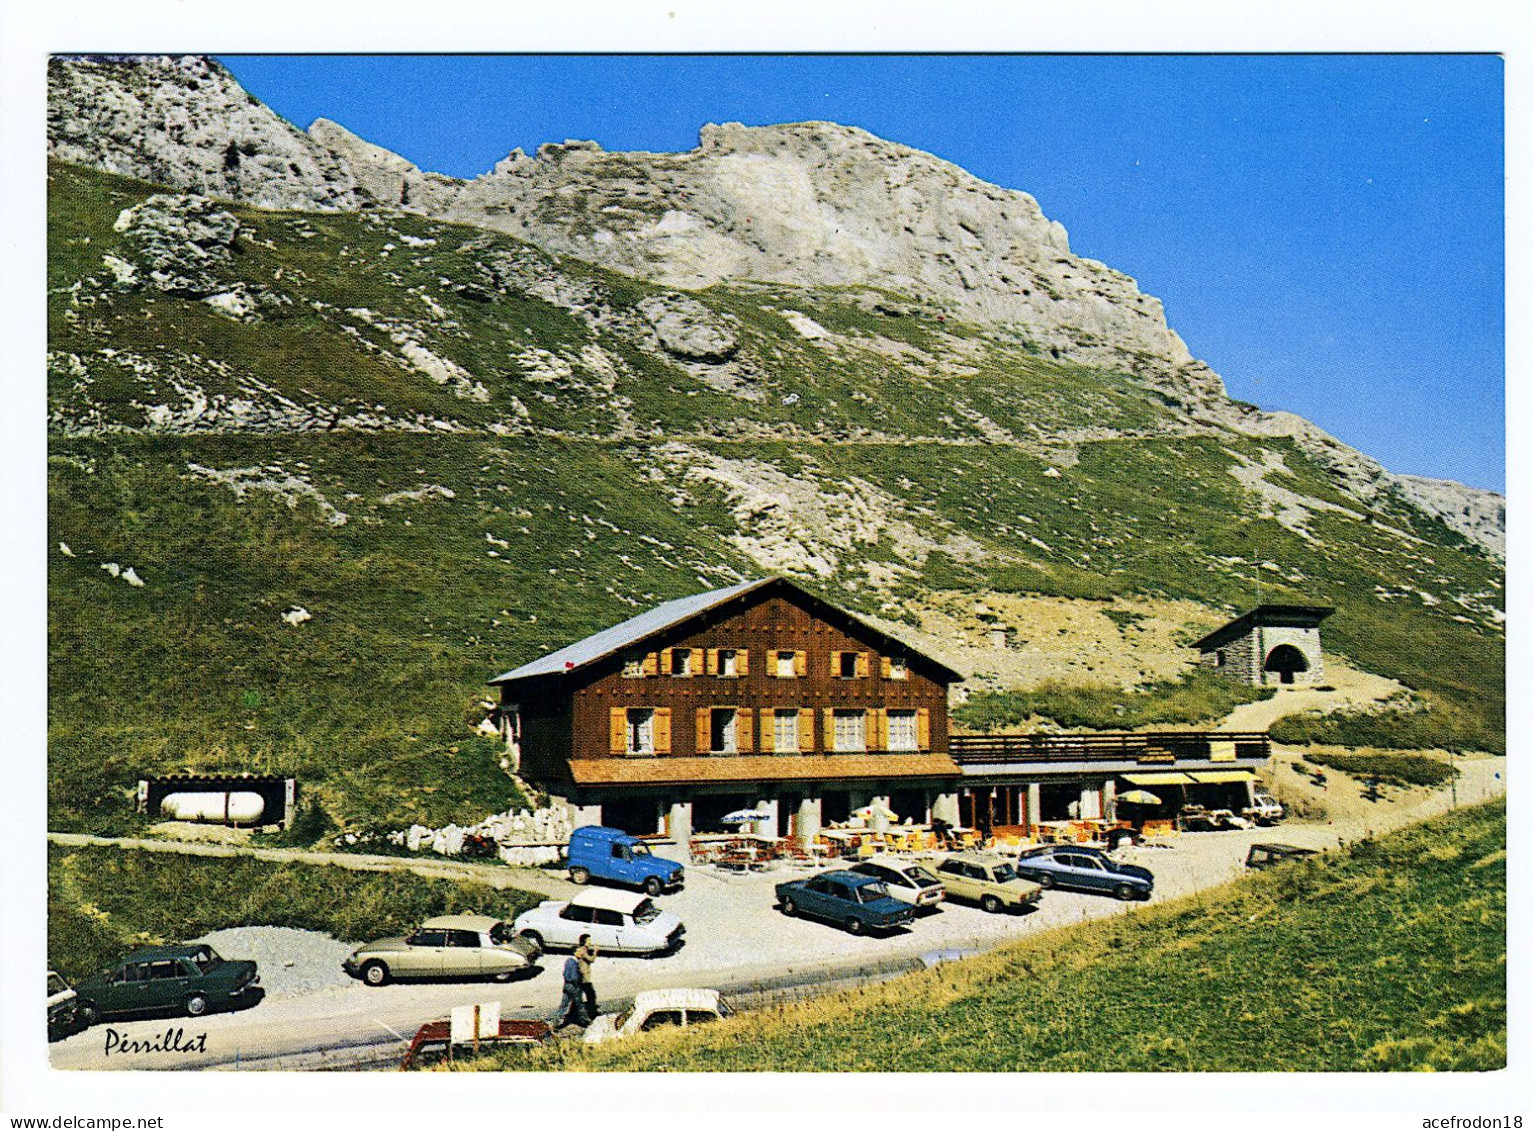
[(241, 808)]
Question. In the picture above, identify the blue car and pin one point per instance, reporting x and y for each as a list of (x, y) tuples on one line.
[(849, 899), (1084, 869)]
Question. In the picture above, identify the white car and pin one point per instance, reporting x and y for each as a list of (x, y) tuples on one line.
[(1264, 810), (906, 880), (659, 1009), (619, 922)]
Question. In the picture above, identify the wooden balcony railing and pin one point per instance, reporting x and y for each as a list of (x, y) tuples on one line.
[(1148, 748)]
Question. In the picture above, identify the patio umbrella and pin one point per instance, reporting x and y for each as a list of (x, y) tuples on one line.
[(1139, 797), (742, 817)]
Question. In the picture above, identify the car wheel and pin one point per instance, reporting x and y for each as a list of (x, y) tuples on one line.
[(991, 903), (652, 886), (196, 1005), (856, 926), (87, 1014), (534, 938), (789, 908), (503, 976), (1126, 892), (1045, 880), (375, 974), (580, 875)]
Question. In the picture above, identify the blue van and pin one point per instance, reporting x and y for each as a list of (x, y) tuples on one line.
[(601, 853)]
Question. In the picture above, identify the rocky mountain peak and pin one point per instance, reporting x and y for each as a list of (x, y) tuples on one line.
[(805, 204)]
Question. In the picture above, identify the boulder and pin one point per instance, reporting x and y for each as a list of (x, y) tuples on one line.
[(688, 329), (180, 242)]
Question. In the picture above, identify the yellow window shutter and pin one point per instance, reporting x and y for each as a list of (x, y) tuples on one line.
[(662, 730), (743, 662), (704, 731), (651, 663), (665, 661), (888, 667), (800, 663), (862, 665), (713, 662), (830, 730), (768, 736), (619, 731), (806, 730), (924, 728), (697, 662), (744, 729), (880, 728)]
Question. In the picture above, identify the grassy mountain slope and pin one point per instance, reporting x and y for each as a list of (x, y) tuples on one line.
[(457, 453), (1390, 956)]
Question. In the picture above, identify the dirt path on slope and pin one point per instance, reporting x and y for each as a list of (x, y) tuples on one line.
[(491, 875), (1349, 687)]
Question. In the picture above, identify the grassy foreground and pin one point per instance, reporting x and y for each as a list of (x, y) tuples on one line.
[(1388, 956), (103, 902)]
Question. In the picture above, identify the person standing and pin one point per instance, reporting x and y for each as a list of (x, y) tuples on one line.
[(585, 956), (572, 1010)]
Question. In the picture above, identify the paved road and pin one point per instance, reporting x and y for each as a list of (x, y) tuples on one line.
[(735, 940)]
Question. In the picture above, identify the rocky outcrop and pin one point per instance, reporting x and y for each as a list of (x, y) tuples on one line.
[(808, 204), (1478, 515), (688, 329), (180, 244), (183, 121)]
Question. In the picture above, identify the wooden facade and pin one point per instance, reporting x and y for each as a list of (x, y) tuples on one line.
[(764, 699), (764, 688)]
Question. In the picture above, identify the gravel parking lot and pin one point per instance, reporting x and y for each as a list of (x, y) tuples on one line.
[(736, 940)]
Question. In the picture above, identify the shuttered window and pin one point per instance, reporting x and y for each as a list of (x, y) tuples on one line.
[(902, 731), (785, 730), (639, 737), (806, 729), (851, 730), (924, 728)]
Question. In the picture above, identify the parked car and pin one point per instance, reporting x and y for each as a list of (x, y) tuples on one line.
[(191, 978), (1266, 855), (1264, 810), (1084, 869), (61, 1007), (987, 879), (618, 922), (906, 880), (849, 899), (448, 946), (659, 1009), (600, 853)]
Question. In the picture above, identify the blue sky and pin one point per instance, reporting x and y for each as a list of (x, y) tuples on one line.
[(1325, 231)]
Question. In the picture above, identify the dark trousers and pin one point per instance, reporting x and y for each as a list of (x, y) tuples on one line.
[(588, 1000), (572, 1007)]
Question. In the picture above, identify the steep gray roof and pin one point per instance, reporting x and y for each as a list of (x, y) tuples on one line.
[(631, 631)]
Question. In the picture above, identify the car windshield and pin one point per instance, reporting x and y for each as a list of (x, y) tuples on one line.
[(205, 959), (1003, 873), (56, 985), (867, 893), (919, 876), (646, 912), (502, 933), (640, 850)]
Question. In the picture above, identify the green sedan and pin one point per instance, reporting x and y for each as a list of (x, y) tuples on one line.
[(190, 979), (448, 946)]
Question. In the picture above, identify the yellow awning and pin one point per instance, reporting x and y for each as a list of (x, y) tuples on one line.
[(1209, 778), (1159, 779)]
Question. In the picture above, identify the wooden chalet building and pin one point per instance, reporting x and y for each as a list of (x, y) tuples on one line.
[(758, 697)]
